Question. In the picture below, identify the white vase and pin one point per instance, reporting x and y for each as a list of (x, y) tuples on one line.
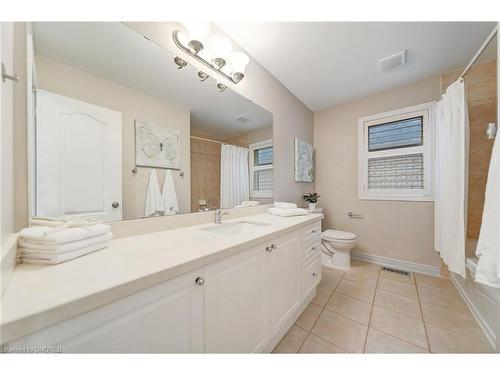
[(312, 206)]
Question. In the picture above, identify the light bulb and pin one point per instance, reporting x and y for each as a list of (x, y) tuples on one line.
[(219, 46), (238, 62), (197, 32)]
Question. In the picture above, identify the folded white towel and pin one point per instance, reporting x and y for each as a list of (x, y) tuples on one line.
[(38, 234), (44, 257), (29, 246), (284, 205), (247, 204), (287, 212)]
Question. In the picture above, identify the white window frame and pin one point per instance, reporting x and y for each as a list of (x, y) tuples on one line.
[(252, 168), (426, 110)]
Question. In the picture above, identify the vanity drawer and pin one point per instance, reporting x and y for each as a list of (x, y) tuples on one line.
[(311, 232), (310, 250), (311, 274)]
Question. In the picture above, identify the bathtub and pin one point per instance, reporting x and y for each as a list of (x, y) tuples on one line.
[(483, 301)]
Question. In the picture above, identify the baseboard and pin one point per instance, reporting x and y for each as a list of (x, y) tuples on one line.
[(397, 263), (485, 327)]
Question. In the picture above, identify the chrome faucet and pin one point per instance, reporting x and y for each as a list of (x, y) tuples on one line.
[(218, 215)]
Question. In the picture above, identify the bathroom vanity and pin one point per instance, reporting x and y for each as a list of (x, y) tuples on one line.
[(231, 287)]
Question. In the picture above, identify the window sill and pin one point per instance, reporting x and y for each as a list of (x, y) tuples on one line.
[(396, 198)]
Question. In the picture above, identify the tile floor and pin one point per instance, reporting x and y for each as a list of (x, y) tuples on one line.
[(367, 310)]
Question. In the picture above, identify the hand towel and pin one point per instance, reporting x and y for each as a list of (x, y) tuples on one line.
[(154, 204), (488, 245), (168, 195), (287, 212), (54, 258), (35, 247), (284, 205), (38, 234)]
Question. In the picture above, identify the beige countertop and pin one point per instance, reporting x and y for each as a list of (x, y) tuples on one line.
[(42, 295)]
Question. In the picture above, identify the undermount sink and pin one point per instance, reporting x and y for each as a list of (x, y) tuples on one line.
[(235, 228)]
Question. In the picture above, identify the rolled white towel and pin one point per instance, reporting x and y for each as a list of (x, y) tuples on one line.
[(44, 257), (39, 233), (29, 246), (284, 205), (287, 212)]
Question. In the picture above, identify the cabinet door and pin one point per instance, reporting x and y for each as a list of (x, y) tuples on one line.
[(167, 318), (285, 279), (236, 303)]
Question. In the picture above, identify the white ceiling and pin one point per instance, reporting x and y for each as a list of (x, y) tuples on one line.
[(113, 51), (329, 63)]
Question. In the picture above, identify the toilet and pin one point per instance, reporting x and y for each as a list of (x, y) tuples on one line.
[(336, 248)]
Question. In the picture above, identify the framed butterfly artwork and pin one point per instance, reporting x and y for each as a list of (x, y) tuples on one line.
[(156, 146)]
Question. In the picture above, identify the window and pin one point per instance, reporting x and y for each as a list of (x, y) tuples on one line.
[(261, 169), (395, 154)]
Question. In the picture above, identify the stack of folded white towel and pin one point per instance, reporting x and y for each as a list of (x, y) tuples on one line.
[(247, 204), (60, 241), (286, 209)]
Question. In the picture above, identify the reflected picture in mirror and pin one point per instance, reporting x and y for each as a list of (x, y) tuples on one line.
[(119, 132)]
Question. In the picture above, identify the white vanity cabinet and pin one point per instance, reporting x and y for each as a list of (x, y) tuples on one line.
[(237, 303), (243, 303), (167, 318), (249, 296), (285, 279)]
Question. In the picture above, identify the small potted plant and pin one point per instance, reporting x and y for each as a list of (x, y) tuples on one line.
[(312, 199)]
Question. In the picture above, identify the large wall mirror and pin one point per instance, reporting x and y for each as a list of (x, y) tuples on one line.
[(120, 133)]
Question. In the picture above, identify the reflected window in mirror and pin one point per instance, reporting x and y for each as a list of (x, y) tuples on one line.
[(261, 169)]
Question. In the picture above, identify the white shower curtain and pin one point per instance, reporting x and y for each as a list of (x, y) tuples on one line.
[(488, 245), (234, 178), (451, 177)]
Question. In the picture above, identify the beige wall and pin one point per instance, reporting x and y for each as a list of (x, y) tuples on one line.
[(480, 87), (69, 81), (401, 230), (291, 118)]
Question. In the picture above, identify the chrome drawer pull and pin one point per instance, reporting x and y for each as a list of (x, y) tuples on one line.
[(315, 274), (274, 246), (200, 281), (269, 248)]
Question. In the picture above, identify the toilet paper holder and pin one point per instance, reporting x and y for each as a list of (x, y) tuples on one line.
[(352, 215)]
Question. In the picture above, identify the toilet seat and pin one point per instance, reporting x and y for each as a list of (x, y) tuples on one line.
[(337, 235)]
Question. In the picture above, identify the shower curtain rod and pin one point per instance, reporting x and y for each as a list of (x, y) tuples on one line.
[(481, 49), (207, 140)]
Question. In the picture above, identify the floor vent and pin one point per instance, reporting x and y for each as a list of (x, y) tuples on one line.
[(389, 269)]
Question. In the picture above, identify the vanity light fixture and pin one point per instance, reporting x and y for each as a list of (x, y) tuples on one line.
[(221, 86), (202, 75), (213, 51), (181, 63)]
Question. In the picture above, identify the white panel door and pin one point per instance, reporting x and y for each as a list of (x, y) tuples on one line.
[(285, 280), (78, 158), (237, 303)]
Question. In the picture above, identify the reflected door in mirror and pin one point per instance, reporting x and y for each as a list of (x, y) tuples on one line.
[(79, 161)]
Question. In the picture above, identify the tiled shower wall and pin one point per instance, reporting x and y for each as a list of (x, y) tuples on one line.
[(481, 91)]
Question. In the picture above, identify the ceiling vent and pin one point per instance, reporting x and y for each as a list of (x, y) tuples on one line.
[(242, 118), (393, 62)]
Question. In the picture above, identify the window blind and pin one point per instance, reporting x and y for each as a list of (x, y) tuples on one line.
[(397, 134)]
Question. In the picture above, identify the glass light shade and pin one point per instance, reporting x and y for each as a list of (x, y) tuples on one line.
[(238, 61), (219, 46), (197, 31)]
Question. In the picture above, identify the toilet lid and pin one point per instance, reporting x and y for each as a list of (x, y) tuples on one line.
[(338, 235)]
